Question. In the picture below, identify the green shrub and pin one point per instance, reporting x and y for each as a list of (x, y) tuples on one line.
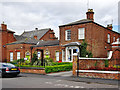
[(34, 58), (14, 62), (116, 66), (62, 63), (48, 61), (29, 66), (106, 63), (57, 68)]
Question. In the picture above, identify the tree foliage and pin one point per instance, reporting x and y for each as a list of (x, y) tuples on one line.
[(84, 51)]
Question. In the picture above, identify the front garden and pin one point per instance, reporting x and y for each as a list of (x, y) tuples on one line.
[(48, 64)]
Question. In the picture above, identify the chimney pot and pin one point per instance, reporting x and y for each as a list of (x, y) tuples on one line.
[(3, 26), (90, 14), (109, 26)]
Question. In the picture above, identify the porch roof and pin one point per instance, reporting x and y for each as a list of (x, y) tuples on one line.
[(72, 44)]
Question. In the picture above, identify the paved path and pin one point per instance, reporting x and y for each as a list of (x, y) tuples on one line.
[(68, 76), (62, 74)]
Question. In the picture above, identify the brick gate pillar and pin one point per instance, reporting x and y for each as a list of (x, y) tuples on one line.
[(74, 65), (116, 52)]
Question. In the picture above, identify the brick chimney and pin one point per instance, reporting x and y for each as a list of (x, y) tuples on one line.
[(110, 26), (90, 14), (35, 37), (3, 26)]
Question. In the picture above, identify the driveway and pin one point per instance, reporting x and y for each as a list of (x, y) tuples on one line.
[(47, 81)]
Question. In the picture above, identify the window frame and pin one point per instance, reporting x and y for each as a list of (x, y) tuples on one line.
[(83, 33), (17, 55), (66, 35), (108, 38)]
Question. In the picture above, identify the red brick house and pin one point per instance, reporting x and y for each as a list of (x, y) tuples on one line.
[(6, 36), (22, 48), (98, 37)]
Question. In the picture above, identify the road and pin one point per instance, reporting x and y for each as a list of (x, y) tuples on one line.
[(45, 81)]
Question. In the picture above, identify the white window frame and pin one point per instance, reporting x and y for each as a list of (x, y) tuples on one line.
[(66, 35), (113, 39), (108, 38), (56, 55), (11, 56), (81, 33), (18, 55)]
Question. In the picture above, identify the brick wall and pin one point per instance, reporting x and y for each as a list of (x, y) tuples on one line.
[(49, 36), (95, 35)]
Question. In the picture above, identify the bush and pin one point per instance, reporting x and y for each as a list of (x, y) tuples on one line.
[(106, 63), (14, 62), (29, 66), (57, 68), (48, 61), (62, 63), (34, 58)]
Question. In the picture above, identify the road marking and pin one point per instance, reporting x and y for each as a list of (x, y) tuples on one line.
[(79, 87), (48, 82), (58, 80)]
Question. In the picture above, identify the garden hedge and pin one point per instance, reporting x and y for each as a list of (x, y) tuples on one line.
[(58, 68)]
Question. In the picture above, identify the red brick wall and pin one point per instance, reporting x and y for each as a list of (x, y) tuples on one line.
[(6, 37), (47, 37), (38, 71), (95, 35), (51, 49), (22, 48)]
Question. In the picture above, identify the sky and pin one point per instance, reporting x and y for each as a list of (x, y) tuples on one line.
[(26, 15)]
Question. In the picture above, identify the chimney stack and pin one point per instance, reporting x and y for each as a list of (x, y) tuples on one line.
[(90, 14), (109, 26), (35, 37), (3, 26)]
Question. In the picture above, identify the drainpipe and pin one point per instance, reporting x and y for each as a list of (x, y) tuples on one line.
[(31, 52)]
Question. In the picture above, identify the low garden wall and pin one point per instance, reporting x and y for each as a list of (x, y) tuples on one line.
[(36, 70), (95, 68), (99, 74)]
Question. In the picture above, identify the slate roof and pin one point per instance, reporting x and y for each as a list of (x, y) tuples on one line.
[(38, 33), (86, 21), (19, 37), (25, 41), (72, 44), (47, 43), (77, 22)]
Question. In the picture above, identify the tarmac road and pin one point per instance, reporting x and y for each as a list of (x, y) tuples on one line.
[(46, 81)]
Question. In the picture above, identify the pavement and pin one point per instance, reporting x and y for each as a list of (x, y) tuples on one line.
[(68, 76)]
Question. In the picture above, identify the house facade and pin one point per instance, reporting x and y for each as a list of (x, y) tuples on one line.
[(98, 37), (46, 45)]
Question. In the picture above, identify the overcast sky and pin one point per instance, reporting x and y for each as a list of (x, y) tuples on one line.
[(30, 14)]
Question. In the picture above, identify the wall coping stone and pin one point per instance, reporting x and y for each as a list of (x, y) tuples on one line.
[(109, 57), (32, 68), (96, 71)]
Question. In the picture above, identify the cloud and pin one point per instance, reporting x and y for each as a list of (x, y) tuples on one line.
[(20, 16)]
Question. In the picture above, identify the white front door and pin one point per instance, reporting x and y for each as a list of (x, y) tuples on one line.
[(11, 56), (57, 56), (70, 51)]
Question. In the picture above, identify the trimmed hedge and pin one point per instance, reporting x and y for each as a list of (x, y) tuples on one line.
[(61, 63), (29, 66), (57, 68)]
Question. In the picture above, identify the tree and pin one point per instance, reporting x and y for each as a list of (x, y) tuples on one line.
[(84, 51), (34, 58)]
